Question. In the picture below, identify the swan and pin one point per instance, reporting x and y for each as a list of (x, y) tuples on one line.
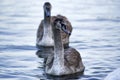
[(44, 32), (64, 61), (115, 75)]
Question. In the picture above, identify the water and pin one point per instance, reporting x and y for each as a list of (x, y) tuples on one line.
[(96, 28)]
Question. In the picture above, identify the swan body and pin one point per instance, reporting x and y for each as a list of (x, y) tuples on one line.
[(44, 32), (64, 61), (44, 37), (72, 63), (115, 75)]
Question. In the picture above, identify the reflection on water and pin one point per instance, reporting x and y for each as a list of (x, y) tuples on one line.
[(96, 28), (44, 52)]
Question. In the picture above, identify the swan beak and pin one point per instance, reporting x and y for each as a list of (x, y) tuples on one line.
[(65, 30), (47, 13)]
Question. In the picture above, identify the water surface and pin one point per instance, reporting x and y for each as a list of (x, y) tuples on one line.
[(96, 35)]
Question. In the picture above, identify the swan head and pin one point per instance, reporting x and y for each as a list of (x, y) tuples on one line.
[(61, 25), (47, 9)]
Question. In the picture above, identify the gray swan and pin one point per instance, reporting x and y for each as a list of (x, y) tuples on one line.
[(64, 61), (115, 75), (44, 32)]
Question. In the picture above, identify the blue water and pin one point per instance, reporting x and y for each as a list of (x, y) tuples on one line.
[(96, 35)]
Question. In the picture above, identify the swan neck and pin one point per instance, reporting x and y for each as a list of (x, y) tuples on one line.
[(58, 47), (47, 26), (47, 20)]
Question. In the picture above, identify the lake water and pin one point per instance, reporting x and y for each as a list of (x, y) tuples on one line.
[(96, 35)]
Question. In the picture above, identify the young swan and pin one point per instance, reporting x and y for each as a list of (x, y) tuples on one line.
[(63, 62), (115, 75), (44, 32)]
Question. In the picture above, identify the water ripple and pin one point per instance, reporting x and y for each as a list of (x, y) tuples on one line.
[(96, 35), (16, 47), (99, 19)]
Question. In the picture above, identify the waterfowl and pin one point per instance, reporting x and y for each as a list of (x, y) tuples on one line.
[(64, 61), (115, 75), (44, 32)]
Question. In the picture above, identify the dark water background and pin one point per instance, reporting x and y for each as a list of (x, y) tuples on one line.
[(96, 35)]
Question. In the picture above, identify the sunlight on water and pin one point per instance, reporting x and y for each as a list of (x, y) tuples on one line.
[(96, 28)]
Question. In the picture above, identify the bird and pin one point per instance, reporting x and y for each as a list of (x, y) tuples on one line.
[(64, 61), (115, 75), (44, 31)]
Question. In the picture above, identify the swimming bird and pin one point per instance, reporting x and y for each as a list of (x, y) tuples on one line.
[(64, 61), (115, 75), (44, 32)]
